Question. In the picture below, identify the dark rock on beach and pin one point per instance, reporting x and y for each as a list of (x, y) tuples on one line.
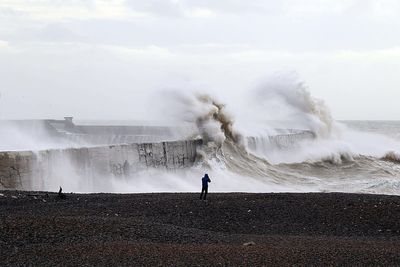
[(235, 229)]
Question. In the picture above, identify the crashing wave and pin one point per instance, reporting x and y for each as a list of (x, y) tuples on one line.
[(392, 156)]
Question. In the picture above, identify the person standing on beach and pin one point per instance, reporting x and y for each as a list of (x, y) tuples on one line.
[(204, 189)]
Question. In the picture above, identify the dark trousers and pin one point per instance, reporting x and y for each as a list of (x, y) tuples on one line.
[(204, 190)]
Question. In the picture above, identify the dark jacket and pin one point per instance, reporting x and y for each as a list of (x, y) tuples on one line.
[(205, 180)]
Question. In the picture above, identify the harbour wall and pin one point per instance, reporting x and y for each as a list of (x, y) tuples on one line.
[(94, 166), (48, 169), (279, 141)]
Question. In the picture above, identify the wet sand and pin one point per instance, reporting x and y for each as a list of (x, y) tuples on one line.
[(232, 229)]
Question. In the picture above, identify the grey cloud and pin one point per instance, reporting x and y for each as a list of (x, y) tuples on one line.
[(70, 57), (6, 12), (237, 6), (57, 32), (178, 8), (157, 7)]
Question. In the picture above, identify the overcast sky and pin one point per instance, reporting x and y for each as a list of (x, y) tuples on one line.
[(95, 59)]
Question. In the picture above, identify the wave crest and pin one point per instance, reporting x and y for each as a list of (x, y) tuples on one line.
[(391, 156)]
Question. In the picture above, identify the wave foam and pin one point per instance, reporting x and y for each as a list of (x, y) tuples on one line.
[(392, 156)]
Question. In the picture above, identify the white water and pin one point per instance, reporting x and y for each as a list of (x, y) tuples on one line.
[(338, 159)]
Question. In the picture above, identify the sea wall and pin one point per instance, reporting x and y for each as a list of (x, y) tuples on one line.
[(46, 169), (92, 167), (279, 141)]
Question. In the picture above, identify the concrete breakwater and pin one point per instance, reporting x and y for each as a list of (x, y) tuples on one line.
[(95, 168), (279, 141), (47, 169)]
